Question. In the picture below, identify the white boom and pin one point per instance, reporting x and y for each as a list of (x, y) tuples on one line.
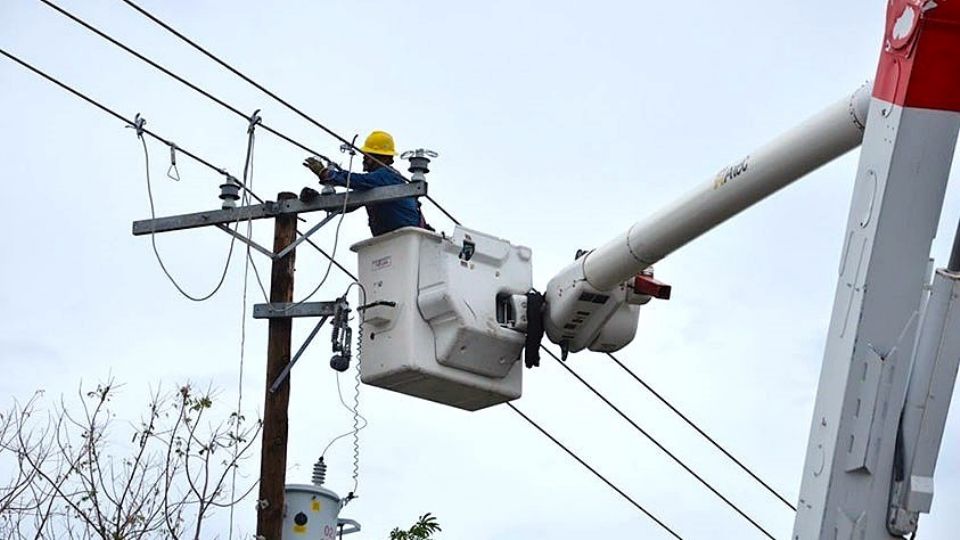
[(577, 318)]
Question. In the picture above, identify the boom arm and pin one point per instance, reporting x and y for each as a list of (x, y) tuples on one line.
[(577, 318)]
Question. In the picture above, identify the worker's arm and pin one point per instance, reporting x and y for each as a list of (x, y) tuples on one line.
[(361, 181)]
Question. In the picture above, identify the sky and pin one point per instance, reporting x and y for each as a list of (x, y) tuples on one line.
[(558, 125)]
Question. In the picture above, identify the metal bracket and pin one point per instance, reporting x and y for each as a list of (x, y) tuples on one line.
[(284, 310), (283, 253), (244, 239), (303, 237), (293, 361), (348, 526)]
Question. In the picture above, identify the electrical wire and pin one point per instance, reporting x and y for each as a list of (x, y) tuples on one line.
[(209, 95), (355, 409), (360, 423), (594, 471), (657, 443), (170, 73), (351, 145), (122, 118), (296, 110), (248, 261), (182, 150), (206, 94), (356, 386), (700, 431), (248, 191), (223, 104), (153, 240)]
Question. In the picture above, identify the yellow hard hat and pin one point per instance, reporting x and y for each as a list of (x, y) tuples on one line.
[(380, 143)]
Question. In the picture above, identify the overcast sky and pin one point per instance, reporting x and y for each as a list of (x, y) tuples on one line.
[(558, 125)]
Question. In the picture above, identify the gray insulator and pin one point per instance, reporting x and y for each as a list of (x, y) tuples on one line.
[(319, 472), (419, 162), (229, 194)]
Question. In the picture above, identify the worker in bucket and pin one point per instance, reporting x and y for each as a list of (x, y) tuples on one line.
[(379, 151)]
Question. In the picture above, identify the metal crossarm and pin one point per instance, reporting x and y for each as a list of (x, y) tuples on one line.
[(272, 209), (293, 310)]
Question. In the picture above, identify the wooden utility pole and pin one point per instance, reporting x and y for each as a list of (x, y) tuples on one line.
[(273, 456)]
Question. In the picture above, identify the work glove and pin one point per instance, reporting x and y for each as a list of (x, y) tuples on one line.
[(316, 167)]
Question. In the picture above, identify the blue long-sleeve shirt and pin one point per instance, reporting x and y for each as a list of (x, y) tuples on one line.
[(387, 216)]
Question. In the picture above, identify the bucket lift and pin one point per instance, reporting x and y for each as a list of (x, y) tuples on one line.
[(446, 314), (446, 318), (440, 315)]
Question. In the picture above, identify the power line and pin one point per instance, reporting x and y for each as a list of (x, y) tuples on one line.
[(214, 98), (194, 87), (225, 105), (146, 131), (123, 119), (700, 431), (153, 238), (173, 75), (657, 443), (296, 110), (343, 140), (594, 471)]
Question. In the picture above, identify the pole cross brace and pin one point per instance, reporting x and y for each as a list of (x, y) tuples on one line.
[(293, 361), (285, 251), (284, 310)]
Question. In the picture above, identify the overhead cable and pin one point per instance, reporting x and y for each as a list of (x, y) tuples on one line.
[(153, 236), (296, 110), (163, 140), (202, 92), (657, 443), (123, 119), (595, 472), (701, 431), (206, 52), (172, 75), (209, 95), (248, 179)]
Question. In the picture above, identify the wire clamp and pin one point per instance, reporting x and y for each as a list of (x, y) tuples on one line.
[(254, 121), (349, 147), (173, 173), (138, 124)]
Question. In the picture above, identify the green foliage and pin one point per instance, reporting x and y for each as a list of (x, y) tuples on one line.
[(423, 529)]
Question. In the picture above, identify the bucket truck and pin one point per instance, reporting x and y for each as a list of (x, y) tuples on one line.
[(447, 317)]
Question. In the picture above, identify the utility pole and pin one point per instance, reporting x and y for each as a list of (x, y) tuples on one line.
[(273, 454)]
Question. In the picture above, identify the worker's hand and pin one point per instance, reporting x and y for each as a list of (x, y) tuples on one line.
[(315, 166)]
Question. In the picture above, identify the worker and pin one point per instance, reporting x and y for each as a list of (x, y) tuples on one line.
[(379, 151)]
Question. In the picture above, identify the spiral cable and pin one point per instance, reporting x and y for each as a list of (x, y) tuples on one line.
[(356, 405)]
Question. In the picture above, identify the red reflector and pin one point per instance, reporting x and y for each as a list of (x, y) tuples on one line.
[(651, 287)]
